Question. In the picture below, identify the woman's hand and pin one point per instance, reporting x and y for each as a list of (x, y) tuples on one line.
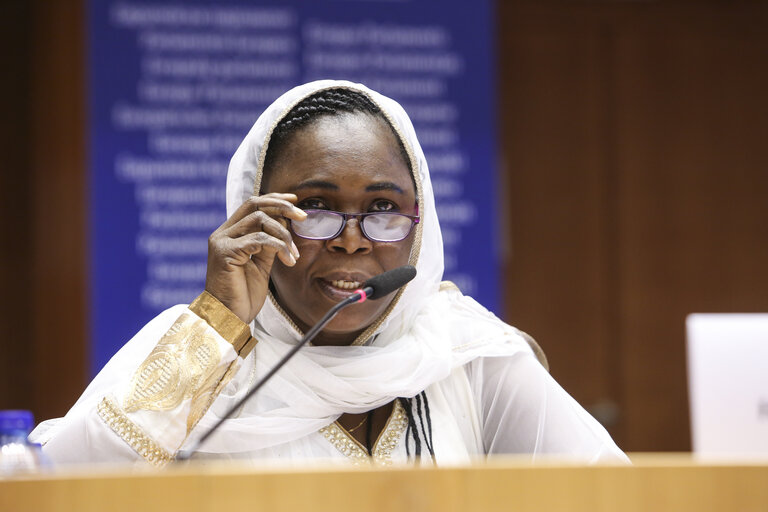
[(242, 250)]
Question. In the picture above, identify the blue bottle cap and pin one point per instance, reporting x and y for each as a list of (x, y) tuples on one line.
[(16, 420)]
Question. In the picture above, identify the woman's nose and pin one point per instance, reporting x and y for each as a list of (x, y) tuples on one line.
[(351, 239)]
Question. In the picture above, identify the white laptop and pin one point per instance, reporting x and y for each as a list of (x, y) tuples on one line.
[(728, 384)]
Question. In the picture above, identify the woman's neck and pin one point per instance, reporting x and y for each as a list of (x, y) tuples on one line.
[(325, 337)]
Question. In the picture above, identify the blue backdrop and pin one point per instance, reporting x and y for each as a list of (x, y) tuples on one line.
[(175, 87)]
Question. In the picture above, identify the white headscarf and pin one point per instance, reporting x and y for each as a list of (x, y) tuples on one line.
[(420, 339), (246, 169)]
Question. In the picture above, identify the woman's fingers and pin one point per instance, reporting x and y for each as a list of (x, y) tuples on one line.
[(274, 204), (257, 244), (263, 242), (238, 250), (278, 230), (268, 213), (241, 251), (261, 221)]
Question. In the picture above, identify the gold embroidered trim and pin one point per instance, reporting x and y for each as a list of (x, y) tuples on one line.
[(115, 419), (347, 445), (390, 436), (222, 319), (248, 347), (382, 448), (287, 317), (448, 286)]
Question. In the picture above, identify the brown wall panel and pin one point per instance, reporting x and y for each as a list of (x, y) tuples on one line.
[(669, 201), (692, 116), (60, 205), (16, 382), (553, 132), (43, 221)]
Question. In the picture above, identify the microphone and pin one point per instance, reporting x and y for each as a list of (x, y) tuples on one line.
[(389, 281), (373, 289)]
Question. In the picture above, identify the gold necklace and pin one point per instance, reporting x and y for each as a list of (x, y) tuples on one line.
[(358, 425)]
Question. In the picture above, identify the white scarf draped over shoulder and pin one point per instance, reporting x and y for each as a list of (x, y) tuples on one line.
[(420, 339)]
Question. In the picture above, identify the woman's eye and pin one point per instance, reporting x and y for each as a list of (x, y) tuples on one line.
[(383, 205), (312, 203)]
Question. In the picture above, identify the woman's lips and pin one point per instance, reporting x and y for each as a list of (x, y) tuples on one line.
[(338, 289)]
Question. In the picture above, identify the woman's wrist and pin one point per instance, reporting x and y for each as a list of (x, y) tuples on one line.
[(223, 321)]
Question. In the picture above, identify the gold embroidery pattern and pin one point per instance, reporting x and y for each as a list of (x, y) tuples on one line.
[(180, 366), (345, 444), (202, 401), (446, 286), (390, 437), (384, 446), (129, 432)]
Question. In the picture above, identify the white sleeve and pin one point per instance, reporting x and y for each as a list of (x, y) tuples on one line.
[(524, 410), (151, 394)]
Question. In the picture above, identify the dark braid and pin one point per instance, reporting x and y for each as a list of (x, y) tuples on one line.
[(369, 434), (429, 424), (326, 102), (406, 403), (427, 437), (412, 431)]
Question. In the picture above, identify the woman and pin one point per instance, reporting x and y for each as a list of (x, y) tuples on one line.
[(328, 189)]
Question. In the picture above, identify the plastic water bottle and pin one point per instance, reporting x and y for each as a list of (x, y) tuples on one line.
[(17, 454)]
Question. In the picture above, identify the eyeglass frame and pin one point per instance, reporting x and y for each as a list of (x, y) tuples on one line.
[(415, 219)]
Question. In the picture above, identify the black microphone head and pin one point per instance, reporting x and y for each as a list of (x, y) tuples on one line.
[(389, 281)]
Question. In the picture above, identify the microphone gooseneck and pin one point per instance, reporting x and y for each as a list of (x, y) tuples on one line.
[(373, 289)]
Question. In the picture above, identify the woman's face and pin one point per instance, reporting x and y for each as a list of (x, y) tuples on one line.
[(348, 163)]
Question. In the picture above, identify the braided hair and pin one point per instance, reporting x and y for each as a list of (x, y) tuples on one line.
[(326, 102), (424, 423)]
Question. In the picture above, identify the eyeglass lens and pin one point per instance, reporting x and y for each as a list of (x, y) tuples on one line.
[(383, 227)]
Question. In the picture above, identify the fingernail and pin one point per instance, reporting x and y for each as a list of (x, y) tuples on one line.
[(301, 212), (294, 250), (291, 259)]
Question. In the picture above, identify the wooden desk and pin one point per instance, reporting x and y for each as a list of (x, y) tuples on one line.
[(655, 483)]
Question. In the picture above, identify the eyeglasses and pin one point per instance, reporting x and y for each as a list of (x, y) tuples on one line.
[(376, 226)]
